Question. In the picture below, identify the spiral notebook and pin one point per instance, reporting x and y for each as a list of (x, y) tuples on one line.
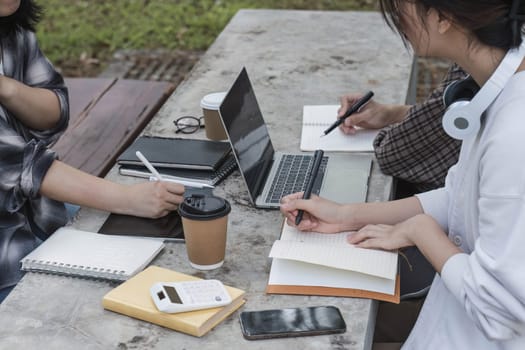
[(208, 177), (73, 252), (317, 118)]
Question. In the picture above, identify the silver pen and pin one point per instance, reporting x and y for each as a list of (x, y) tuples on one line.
[(157, 176)]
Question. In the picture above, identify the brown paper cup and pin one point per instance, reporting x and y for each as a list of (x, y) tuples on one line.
[(210, 108), (205, 242), (205, 222)]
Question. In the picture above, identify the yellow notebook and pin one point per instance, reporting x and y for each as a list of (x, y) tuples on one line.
[(132, 298)]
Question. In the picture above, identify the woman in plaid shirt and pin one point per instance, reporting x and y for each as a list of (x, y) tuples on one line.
[(412, 146), (34, 111)]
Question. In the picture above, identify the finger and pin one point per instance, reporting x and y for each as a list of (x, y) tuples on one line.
[(367, 232), (174, 200), (375, 227), (291, 215), (357, 119), (344, 106), (292, 197), (294, 204), (307, 225), (379, 243), (346, 102), (169, 187), (383, 226), (356, 237), (306, 205), (375, 243), (347, 129), (290, 220), (175, 188)]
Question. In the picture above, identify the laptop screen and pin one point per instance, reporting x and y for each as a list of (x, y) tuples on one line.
[(247, 132)]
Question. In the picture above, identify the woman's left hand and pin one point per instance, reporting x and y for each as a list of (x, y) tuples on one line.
[(391, 237)]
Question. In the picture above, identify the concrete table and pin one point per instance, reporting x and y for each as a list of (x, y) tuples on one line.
[(293, 58)]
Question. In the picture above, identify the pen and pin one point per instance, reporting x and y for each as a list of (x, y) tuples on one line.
[(355, 107), (157, 176), (184, 182), (318, 157), (148, 165)]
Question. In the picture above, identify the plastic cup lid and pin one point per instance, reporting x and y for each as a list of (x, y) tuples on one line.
[(212, 101), (201, 207)]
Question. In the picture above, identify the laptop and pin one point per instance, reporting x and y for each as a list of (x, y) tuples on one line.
[(270, 175)]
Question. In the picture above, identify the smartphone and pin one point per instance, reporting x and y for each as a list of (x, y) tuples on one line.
[(291, 322)]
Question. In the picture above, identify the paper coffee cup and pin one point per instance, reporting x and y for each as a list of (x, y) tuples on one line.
[(205, 223), (210, 108)]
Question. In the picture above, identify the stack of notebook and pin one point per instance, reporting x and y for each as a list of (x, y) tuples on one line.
[(203, 161), (132, 298)]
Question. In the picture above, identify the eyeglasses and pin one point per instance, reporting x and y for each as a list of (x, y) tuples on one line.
[(188, 124)]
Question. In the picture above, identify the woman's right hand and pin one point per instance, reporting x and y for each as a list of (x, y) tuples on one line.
[(373, 115), (320, 215)]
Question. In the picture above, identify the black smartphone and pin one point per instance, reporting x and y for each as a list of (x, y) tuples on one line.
[(291, 322)]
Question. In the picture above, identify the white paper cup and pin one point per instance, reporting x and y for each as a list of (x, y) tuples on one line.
[(210, 108)]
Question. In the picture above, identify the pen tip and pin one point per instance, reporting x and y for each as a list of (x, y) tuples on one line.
[(322, 135)]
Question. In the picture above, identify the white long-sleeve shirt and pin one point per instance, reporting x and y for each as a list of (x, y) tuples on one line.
[(478, 302)]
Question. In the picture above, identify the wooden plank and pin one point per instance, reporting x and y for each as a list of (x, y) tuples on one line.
[(82, 93), (113, 119)]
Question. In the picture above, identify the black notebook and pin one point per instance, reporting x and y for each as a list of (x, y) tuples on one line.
[(177, 153), (208, 177), (167, 228)]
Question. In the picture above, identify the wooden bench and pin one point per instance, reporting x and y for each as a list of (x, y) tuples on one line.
[(106, 115)]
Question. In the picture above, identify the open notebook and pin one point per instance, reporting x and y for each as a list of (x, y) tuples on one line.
[(87, 254), (313, 263), (316, 119)]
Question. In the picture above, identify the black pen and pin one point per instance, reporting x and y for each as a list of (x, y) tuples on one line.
[(355, 107), (318, 157)]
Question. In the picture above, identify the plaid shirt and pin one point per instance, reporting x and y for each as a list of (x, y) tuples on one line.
[(26, 218), (417, 149)]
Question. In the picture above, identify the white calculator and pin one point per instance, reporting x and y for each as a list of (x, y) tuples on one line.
[(173, 297)]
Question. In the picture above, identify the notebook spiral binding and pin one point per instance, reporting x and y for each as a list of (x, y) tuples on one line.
[(226, 169), (317, 124), (57, 268)]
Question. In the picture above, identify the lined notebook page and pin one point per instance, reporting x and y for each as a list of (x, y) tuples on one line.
[(81, 253), (332, 250), (317, 118)]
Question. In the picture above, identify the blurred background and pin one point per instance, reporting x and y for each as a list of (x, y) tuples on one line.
[(95, 37)]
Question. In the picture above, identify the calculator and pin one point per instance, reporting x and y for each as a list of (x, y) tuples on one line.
[(173, 297)]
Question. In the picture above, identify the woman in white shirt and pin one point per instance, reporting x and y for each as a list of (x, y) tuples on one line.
[(473, 230)]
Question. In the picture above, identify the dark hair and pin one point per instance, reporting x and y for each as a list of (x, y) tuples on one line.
[(26, 17), (497, 23)]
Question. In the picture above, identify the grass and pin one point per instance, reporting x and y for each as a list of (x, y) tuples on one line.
[(79, 31)]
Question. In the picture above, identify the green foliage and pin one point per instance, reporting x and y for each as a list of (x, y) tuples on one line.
[(75, 29)]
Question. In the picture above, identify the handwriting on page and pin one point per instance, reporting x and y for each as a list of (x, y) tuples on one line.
[(332, 250)]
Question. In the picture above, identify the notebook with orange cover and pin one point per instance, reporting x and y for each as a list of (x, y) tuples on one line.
[(311, 263), (132, 298)]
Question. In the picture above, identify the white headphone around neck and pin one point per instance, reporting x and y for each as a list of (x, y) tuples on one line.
[(462, 117)]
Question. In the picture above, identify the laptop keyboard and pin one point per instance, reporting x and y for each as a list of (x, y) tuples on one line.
[(292, 175)]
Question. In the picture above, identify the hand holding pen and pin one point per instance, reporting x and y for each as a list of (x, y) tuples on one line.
[(318, 157), (354, 108)]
